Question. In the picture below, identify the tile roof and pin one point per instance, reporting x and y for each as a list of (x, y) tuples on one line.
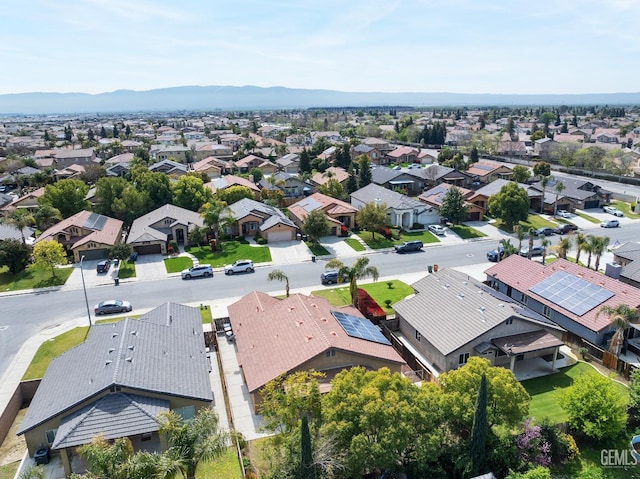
[(230, 180), (496, 185), (333, 172), (141, 229), (435, 195), (522, 274), (329, 205), (393, 199), (104, 230), (274, 336), (163, 352)]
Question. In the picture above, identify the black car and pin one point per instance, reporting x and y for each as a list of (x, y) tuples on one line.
[(543, 231), (495, 254), (103, 266), (330, 277), (409, 246), (563, 229)]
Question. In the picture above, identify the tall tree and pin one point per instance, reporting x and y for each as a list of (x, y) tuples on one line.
[(510, 204), (20, 219), (545, 243), (372, 217), (520, 174), (599, 247), (544, 181), (521, 233), (189, 192), (14, 255), (307, 467), (316, 225), (453, 206), (559, 188), (279, 275), (364, 171), (359, 270), (334, 189), (532, 234), (234, 193), (621, 317), (479, 430), (49, 254), (542, 169), (305, 161), (582, 244), (67, 196), (217, 216), (562, 247)]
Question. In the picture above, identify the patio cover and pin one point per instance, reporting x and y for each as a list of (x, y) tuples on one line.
[(526, 342)]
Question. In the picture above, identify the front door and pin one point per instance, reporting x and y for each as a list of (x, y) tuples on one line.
[(180, 236)]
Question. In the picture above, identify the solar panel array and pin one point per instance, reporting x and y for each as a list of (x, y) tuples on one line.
[(95, 222), (360, 328), (480, 166), (571, 293)]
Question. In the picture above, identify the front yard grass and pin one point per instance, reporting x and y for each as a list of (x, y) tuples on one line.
[(587, 217), (231, 251), (226, 466), (379, 291), (126, 270), (316, 248), (466, 232), (533, 221), (53, 348), (177, 264), (355, 244), (32, 277), (380, 242)]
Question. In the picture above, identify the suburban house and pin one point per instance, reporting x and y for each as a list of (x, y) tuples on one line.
[(627, 264), (329, 155), (435, 174), (289, 184), (27, 201), (330, 136), (402, 211), (481, 197), (544, 147), (453, 316), (289, 163), (568, 294), (151, 233), (232, 180), (252, 218), (177, 153), (301, 333), (375, 156), (403, 154), (248, 162), (168, 167), (213, 149), (485, 173), (210, 166), (577, 193), (9, 231), (68, 173), (85, 234), (332, 173), (68, 157), (434, 196), (339, 214), (118, 381)]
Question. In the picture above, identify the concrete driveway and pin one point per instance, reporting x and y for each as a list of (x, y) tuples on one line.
[(150, 267), (336, 246), (601, 215), (91, 276), (289, 252)]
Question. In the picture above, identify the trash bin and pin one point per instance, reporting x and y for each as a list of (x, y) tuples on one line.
[(134, 256), (116, 261), (430, 268), (313, 259), (116, 281)]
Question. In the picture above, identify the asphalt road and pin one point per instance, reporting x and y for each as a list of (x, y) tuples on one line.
[(22, 316)]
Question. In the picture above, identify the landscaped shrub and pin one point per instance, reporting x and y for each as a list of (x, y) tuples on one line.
[(386, 232), (418, 226), (369, 308)]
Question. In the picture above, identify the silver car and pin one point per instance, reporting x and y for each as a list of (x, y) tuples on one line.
[(240, 266), (112, 306), (203, 270)]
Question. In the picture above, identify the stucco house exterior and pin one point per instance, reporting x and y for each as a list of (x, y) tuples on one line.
[(253, 218), (339, 213)]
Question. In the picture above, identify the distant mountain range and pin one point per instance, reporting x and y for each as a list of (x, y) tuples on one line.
[(210, 98)]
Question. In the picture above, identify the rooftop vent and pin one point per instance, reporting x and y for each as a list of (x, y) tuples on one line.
[(131, 348), (308, 338), (323, 319), (461, 295), (482, 309), (111, 350), (107, 362), (129, 359), (114, 335), (134, 333), (314, 305)]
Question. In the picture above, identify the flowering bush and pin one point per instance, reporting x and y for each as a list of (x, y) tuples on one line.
[(532, 447)]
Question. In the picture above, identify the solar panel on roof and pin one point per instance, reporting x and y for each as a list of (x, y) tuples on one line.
[(360, 328), (95, 222), (484, 167), (571, 293)]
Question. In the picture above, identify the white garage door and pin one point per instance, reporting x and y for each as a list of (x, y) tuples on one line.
[(275, 236)]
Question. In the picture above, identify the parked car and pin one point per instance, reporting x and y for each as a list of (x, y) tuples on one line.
[(495, 254), (610, 224), (103, 266), (409, 246), (112, 306), (613, 211), (543, 231), (535, 251), (563, 214), (565, 228), (202, 271), (330, 277), (436, 229), (240, 266)]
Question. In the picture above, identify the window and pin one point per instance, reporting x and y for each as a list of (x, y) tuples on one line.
[(463, 358), (186, 412), (509, 321), (418, 335), (524, 298), (330, 353), (50, 435), (546, 311)]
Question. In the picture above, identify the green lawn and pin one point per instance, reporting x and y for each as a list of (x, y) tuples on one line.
[(355, 244), (316, 248), (379, 291), (625, 208), (533, 221), (116, 319), (8, 471), (545, 391), (231, 251), (53, 348), (466, 232), (375, 242), (226, 466), (32, 277), (587, 217), (206, 316), (127, 269), (380, 242), (177, 264)]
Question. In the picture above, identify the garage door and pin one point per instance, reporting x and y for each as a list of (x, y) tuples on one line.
[(475, 216), (95, 254), (275, 236), (148, 249), (591, 204)]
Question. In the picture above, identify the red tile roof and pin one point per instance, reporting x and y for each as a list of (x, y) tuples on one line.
[(274, 336), (522, 274)]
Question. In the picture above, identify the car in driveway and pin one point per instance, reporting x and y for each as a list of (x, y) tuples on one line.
[(495, 254), (563, 214), (436, 229), (240, 266), (103, 266), (409, 246), (543, 231), (610, 224), (201, 271), (613, 211), (563, 229), (112, 306), (535, 251)]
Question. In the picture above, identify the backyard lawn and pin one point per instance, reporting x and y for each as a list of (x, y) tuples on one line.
[(226, 466), (466, 232), (127, 269), (379, 291), (231, 251), (380, 242), (177, 264), (53, 348), (32, 277)]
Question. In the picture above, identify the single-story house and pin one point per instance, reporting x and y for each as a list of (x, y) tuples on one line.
[(232, 180), (245, 164), (151, 233), (210, 166), (254, 218), (577, 193), (403, 154), (85, 234), (118, 381), (334, 172), (453, 317), (481, 196), (301, 333), (9, 231), (338, 212), (434, 197)]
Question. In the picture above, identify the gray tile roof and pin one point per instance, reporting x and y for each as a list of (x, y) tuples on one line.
[(8, 231), (112, 416), (163, 352), (142, 231), (392, 199), (271, 214), (382, 175), (451, 309), (496, 185)]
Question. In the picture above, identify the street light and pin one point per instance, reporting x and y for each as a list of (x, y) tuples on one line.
[(84, 288)]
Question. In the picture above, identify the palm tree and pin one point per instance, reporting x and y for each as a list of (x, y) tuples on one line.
[(621, 316), (563, 246), (359, 270), (520, 234), (507, 247), (279, 275), (47, 216), (216, 216), (532, 234), (545, 243), (581, 245), (544, 181), (20, 218), (591, 242), (191, 442), (599, 247), (559, 189)]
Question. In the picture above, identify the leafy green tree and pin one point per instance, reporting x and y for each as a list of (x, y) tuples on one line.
[(191, 442), (359, 270), (14, 255), (521, 233), (364, 175), (372, 217), (634, 393), (20, 219), (257, 174), (544, 181), (155, 186), (453, 206), (479, 430), (334, 189), (129, 206), (520, 174), (545, 243), (510, 205), (599, 247), (307, 467), (562, 247), (121, 251), (105, 459), (582, 243), (235, 193), (538, 472), (537, 135), (305, 161), (621, 316), (107, 190), (189, 192), (595, 407), (197, 235), (217, 216), (542, 168), (559, 188), (48, 254), (316, 225), (67, 196), (279, 275), (473, 156)]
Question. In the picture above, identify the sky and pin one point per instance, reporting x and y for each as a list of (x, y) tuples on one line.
[(458, 46)]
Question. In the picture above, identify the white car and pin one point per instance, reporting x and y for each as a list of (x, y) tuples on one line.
[(203, 270), (436, 229), (610, 224), (613, 211), (563, 214), (240, 266)]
